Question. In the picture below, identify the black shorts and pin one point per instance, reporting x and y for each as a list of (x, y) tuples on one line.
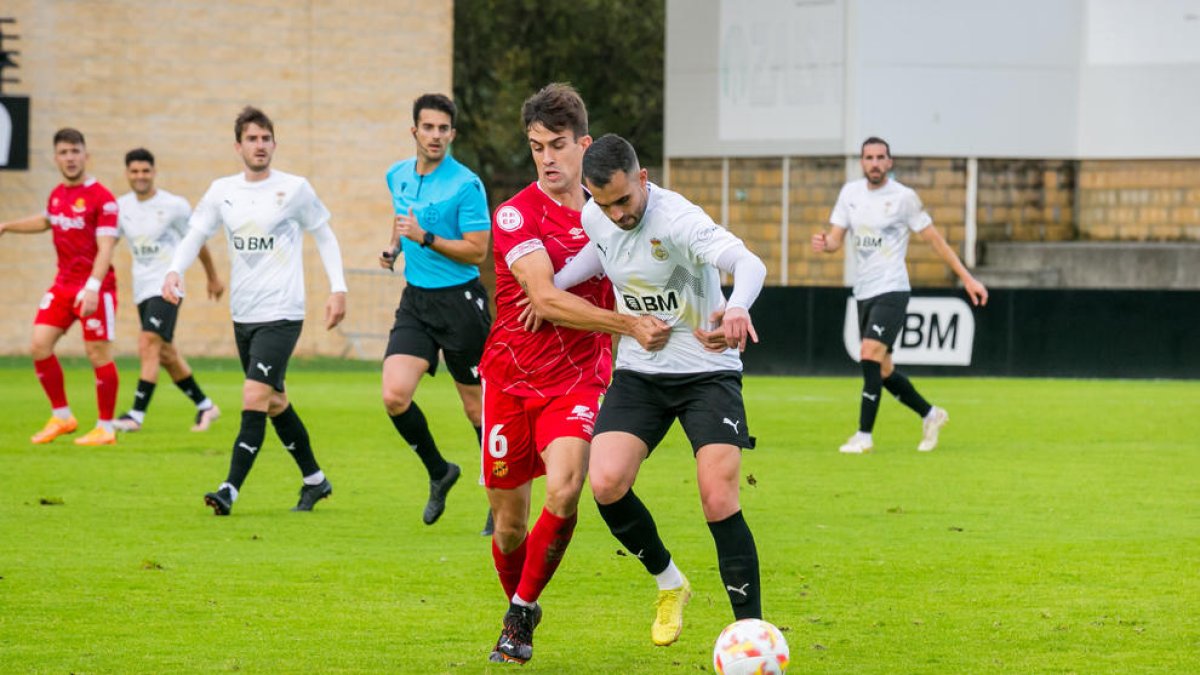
[(709, 407), (455, 320), (158, 316), (882, 317), (265, 348)]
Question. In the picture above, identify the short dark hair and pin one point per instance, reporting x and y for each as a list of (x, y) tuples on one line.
[(607, 155), (139, 155), (439, 102), (251, 115), (875, 140), (557, 107), (69, 135)]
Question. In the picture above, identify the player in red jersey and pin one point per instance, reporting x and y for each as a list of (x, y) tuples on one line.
[(541, 389), (83, 214)]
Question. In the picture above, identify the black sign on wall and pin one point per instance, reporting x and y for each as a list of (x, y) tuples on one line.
[(14, 110), (14, 133)]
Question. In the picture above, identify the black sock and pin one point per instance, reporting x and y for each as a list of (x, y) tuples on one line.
[(245, 448), (141, 397), (415, 431), (902, 389), (188, 386), (737, 559), (294, 437), (872, 386), (631, 523)]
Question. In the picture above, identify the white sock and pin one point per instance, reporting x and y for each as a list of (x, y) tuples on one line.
[(865, 435), (315, 479), (517, 600), (233, 492), (105, 425), (670, 578), (205, 404), (932, 410), (138, 416), (63, 413)]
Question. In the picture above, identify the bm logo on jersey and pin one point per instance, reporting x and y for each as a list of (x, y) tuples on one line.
[(266, 243), (651, 303)]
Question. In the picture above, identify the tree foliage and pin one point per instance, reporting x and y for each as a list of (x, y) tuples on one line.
[(505, 50)]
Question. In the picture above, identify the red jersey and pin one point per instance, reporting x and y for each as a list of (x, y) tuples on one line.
[(554, 360), (78, 214)]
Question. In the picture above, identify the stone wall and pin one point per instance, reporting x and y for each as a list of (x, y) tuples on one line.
[(338, 80), (1139, 200)]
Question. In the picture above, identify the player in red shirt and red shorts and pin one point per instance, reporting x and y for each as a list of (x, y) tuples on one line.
[(83, 215), (541, 389)]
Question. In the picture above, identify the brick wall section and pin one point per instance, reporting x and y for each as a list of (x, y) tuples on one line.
[(1026, 200), (756, 208), (1139, 200), (814, 186), (337, 78)]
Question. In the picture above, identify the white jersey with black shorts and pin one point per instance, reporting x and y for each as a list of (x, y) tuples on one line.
[(264, 222), (880, 221), (153, 228), (668, 266)]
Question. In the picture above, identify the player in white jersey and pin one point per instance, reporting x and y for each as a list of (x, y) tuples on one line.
[(880, 213), (154, 221), (264, 213), (663, 255)]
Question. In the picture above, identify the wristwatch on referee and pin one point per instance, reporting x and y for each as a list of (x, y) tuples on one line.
[(427, 240)]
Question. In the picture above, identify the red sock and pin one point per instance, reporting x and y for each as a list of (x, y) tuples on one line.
[(50, 374), (106, 390), (508, 566), (547, 543)]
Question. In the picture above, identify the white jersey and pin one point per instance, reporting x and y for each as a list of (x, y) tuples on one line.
[(879, 220), (264, 221), (153, 228), (666, 267)]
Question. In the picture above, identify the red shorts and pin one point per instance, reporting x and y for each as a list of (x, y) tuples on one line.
[(58, 309), (517, 428)]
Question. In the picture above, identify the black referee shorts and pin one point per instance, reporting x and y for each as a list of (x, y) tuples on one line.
[(881, 318), (265, 349), (708, 405), (454, 320)]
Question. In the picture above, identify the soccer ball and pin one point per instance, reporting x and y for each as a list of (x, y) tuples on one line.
[(750, 646)]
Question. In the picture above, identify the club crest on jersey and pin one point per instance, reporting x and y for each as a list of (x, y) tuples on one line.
[(509, 219), (79, 206), (658, 251), (279, 198), (499, 468)]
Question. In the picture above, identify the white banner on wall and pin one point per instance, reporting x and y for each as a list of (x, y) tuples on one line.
[(937, 332), (781, 66)]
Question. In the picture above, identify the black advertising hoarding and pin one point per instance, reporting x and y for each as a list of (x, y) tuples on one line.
[(14, 133)]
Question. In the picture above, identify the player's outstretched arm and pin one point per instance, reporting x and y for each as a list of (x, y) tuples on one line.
[(828, 242), (27, 225), (976, 291), (535, 273)]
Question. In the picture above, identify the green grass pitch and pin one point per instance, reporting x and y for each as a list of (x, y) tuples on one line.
[(1055, 530)]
